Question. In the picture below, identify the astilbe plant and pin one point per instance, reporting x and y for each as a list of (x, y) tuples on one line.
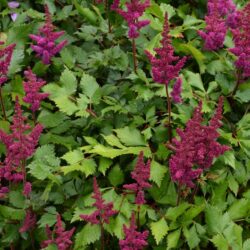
[(29, 222), (196, 148), (133, 240), (176, 92), (20, 145), (241, 38), (102, 213), (166, 66), (5, 59), (135, 9), (141, 175), (60, 237), (46, 46), (103, 210), (221, 15), (32, 86)]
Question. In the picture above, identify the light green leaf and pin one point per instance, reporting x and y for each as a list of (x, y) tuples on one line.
[(89, 234), (174, 212), (194, 79), (239, 209), (191, 237), (130, 136), (157, 172), (220, 242), (89, 85), (173, 239), (112, 140), (104, 165), (159, 229), (116, 176), (73, 157), (109, 152)]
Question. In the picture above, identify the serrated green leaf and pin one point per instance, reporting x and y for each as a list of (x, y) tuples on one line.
[(220, 242), (157, 172), (116, 176), (173, 239), (73, 157), (104, 165), (239, 209), (191, 237), (174, 212), (47, 219), (194, 79), (112, 153), (130, 136), (89, 234), (89, 85), (159, 230), (112, 140)]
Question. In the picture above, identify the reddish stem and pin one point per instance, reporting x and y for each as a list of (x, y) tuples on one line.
[(134, 55), (2, 105), (169, 114)]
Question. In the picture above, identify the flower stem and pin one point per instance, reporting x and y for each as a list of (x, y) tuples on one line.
[(138, 216), (2, 105), (237, 83), (169, 114), (179, 194), (102, 236), (107, 14), (134, 55)]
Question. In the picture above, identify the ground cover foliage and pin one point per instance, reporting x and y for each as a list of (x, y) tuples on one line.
[(124, 128)]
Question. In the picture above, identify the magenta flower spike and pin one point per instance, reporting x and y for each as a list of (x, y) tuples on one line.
[(134, 240), (29, 222), (221, 15), (197, 147), (241, 38), (61, 238), (46, 46), (20, 145), (141, 175), (5, 59), (176, 92), (103, 210), (31, 88), (165, 66), (135, 10)]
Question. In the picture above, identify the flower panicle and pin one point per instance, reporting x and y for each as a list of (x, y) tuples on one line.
[(62, 238), (135, 10), (29, 222), (221, 15), (133, 239), (176, 92), (5, 59), (165, 66), (32, 86), (20, 145), (103, 210), (46, 46), (241, 38), (141, 175), (197, 147)]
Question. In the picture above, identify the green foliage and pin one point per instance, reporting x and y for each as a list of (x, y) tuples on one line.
[(100, 115)]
